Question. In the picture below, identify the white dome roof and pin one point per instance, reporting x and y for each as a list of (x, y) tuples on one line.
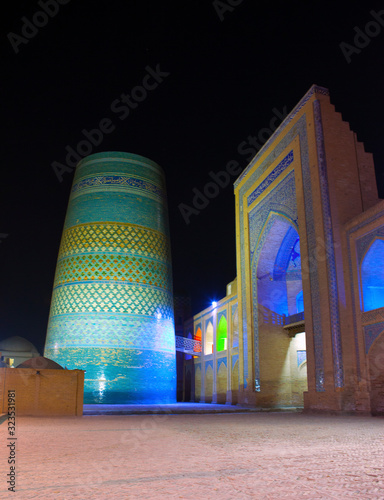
[(17, 344)]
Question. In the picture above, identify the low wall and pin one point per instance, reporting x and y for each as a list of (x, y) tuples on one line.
[(43, 392)]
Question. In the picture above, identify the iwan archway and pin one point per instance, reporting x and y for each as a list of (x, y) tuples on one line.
[(278, 312), (295, 197), (306, 206)]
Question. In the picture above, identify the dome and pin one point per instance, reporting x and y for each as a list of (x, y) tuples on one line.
[(40, 363), (17, 344)]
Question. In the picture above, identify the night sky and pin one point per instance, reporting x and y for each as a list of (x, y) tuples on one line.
[(223, 72)]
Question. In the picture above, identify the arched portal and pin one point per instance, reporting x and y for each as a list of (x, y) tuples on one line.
[(279, 291), (372, 276), (221, 336), (198, 337), (208, 344)]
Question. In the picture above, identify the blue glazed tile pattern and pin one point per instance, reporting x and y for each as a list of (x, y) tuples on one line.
[(329, 244), (300, 131), (112, 304), (371, 333), (280, 202), (101, 183), (279, 169), (220, 361), (354, 307)]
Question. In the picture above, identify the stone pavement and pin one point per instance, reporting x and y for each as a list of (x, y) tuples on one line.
[(188, 456), (175, 408)]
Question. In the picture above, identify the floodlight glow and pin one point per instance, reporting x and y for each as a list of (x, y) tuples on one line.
[(112, 304)]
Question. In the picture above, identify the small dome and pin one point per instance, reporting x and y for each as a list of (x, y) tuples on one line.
[(40, 363), (17, 344)]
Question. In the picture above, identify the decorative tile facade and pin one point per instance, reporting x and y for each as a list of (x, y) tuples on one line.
[(298, 131), (280, 202), (371, 332), (330, 250), (361, 245), (112, 303)]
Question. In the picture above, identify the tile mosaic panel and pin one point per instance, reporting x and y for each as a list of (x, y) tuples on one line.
[(338, 371), (113, 283), (371, 333), (300, 131)]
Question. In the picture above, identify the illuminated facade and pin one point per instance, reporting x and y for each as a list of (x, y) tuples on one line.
[(304, 324), (112, 304)]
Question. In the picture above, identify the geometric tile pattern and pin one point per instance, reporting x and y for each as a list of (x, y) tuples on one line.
[(300, 132), (208, 364), (117, 181), (315, 89), (281, 201), (374, 316), (330, 250), (65, 331), (113, 284), (371, 333), (114, 237), (351, 251), (111, 297), (363, 243), (109, 266), (220, 361), (235, 358), (271, 177), (222, 313)]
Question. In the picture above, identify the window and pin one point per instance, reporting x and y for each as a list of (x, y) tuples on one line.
[(221, 337)]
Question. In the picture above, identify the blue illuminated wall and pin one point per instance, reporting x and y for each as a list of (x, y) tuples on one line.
[(112, 305), (372, 275)]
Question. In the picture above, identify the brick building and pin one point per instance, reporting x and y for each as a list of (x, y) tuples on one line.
[(303, 323)]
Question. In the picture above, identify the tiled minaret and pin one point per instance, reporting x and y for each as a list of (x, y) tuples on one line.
[(112, 305)]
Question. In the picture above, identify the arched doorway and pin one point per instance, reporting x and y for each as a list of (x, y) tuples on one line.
[(221, 336), (277, 281), (372, 276), (208, 343)]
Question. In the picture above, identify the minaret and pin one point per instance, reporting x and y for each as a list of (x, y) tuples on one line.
[(112, 304)]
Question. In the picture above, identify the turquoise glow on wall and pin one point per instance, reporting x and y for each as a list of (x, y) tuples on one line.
[(112, 304), (300, 302)]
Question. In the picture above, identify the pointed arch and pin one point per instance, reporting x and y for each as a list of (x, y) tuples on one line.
[(198, 336), (372, 276), (222, 334), (208, 342)]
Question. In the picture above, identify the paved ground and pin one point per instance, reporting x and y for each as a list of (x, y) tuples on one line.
[(226, 456), (176, 408)]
